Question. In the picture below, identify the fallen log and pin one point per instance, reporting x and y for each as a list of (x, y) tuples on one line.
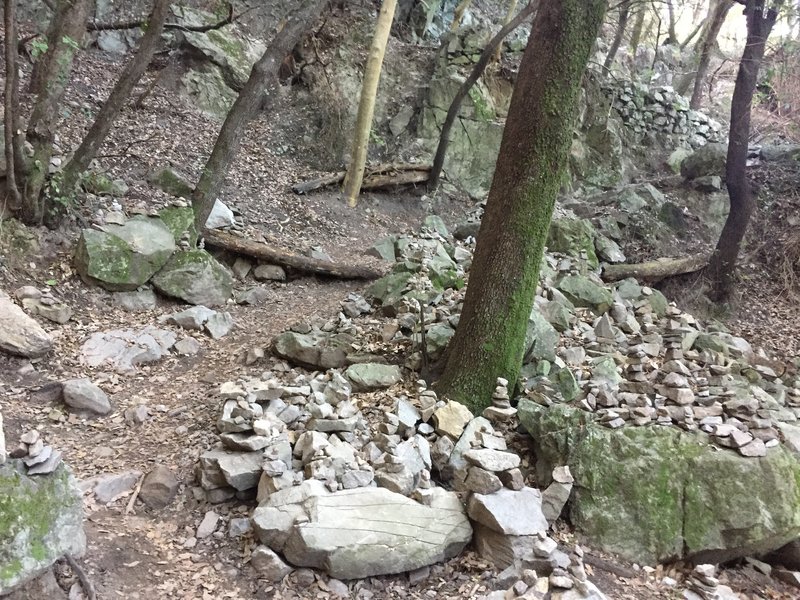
[(375, 178), (285, 258), (656, 270)]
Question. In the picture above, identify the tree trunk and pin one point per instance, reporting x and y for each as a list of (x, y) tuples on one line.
[(458, 14), (638, 27), (11, 105), (512, 7), (624, 11), (366, 107), (122, 90), (477, 71), (716, 17), (673, 36), (62, 43), (490, 338), (263, 79), (721, 268)]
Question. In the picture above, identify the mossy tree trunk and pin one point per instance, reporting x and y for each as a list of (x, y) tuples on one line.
[(13, 197), (262, 81), (490, 338), (134, 70), (717, 13), (512, 8), (62, 43), (721, 268), (366, 106)]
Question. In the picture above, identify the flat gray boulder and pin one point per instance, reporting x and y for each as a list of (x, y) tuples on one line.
[(85, 396), (42, 519), (195, 277), (124, 257), (373, 376), (20, 334), (364, 532), (316, 349), (123, 349)]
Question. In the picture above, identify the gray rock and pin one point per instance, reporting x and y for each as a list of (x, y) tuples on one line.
[(314, 350), (220, 216), (383, 249), (509, 512), (124, 257), (707, 160), (136, 301), (371, 376), (191, 318), (58, 312), (239, 526), (219, 324), (170, 181), (253, 296), (451, 419), (83, 395), (492, 460), (188, 346), (19, 334), (482, 481), (240, 471), (269, 273), (377, 532), (159, 487), (42, 521), (268, 564), (208, 525), (195, 277), (108, 488), (123, 349)]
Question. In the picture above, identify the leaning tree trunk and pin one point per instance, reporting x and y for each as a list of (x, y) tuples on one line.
[(455, 105), (512, 7), (63, 42), (722, 266), (122, 90), (638, 27), (490, 338), (366, 107), (624, 11), (263, 79), (10, 106), (717, 14)]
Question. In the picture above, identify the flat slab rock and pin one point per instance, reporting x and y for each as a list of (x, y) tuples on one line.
[(19, 334), (122, 349), (363, 532)]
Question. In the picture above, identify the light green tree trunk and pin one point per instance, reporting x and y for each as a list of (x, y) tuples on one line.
[(490, 338)]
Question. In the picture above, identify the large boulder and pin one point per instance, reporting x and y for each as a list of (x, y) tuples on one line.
[(19, 334), (654, 494), (195, 277), (573, 236), (314, 350), (41, 520), (585, 291), (124, 257), (363, 532), (705, 161)]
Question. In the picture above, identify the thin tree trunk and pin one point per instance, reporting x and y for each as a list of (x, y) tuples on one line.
[(673, 36), (512, 7), (119, 95), (477, 71), (716, 18), (366, 107), (698, 28), (624, 11), (9, 118), (63, 42), (490, 338), (458, 14), (263, 79), (638, 27), (721, 268), (42, 65)]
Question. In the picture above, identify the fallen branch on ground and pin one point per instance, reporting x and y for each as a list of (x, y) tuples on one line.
[(609, 567), (88, 587), (656, 270), (279, 256), (375, 178)]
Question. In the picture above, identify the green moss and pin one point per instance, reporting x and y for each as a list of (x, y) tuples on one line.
[(482, 109), (116, 253), (179, 219)]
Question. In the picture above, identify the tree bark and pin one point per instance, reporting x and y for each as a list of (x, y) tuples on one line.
[(62, 43), (512, 7), (366, 107), (638, 27), (655, 270), (458, 14), (263, 80), (673, 36), (624, 11), (11, 105), (490, 338), (477, 71), (134, 70), (716, 17), (721, 268), (279, 256)]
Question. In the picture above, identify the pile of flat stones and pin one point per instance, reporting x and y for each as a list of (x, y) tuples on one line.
[(39, 458), (669, 372), (661, 109)]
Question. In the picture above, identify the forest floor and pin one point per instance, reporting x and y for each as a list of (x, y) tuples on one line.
[(146, 554)]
